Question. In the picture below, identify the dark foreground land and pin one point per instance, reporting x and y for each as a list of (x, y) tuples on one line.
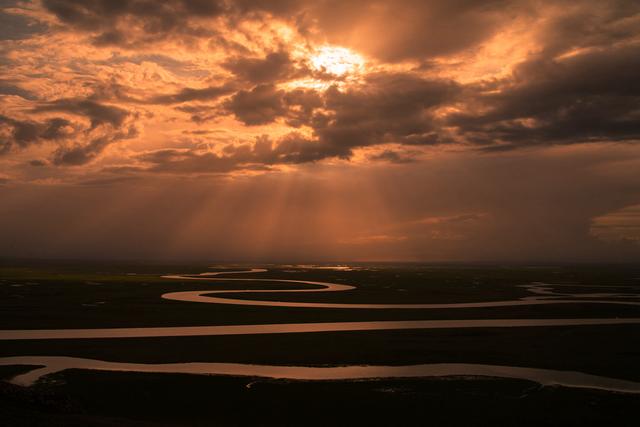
[(49, 296), (84, 398)]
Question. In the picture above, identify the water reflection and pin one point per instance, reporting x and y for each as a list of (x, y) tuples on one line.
[(287, 328), (541, 376), (543, 294)]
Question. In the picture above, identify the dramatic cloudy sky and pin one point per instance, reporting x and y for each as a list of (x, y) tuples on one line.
[(432, 130)]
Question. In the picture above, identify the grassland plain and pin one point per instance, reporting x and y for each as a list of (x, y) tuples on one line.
[(53, 295)]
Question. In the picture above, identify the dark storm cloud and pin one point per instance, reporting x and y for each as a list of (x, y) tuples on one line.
[(17, 27), (190, 94), (410, 29), (387, 107), (391, 31), (157, 20), (258, 106), (97, 113), (301, 103), (108, 124), (590, 24), (158, 17), (295, 148), (200, 113), (180, 161), (591, 96), (551, 98), (266, 103), (421, 30), (265, 153), (20, 134), (93, 13), (186, 161), (132, 23), (581, 87), (10, 88), (262, 155), (36, 163), (393, 156), (79, 154), (275, 66)]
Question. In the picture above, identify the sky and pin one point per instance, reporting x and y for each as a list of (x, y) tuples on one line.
[(320, 130)]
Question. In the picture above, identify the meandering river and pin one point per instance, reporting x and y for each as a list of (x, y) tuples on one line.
[(541, 376), (541, 294)]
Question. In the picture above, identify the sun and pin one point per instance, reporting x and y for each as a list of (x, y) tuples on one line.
[(336, 61)]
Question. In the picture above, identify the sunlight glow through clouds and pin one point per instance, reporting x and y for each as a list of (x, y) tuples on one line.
[(442, 108), (337, 61)]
